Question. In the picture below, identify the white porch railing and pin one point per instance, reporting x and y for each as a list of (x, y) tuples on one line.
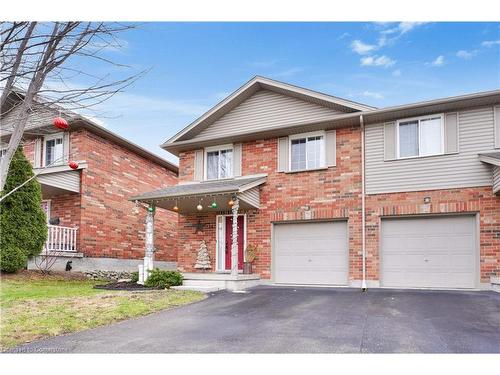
[(61, 238)]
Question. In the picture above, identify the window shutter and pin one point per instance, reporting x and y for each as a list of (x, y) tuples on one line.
[(283, 154), (237, 160), (198, 165), (497, 126), (66, 152), (331, 148), (390, 141), (451, 133), (38, 153)]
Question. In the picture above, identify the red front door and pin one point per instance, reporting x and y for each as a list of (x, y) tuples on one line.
[(229, 242)]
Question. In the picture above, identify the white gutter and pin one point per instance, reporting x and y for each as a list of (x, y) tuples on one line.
[(363, 213)]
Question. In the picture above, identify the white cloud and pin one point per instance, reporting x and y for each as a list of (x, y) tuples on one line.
[(387, 34), (439, 61), (490, 43), (377, 61), (288, 72), (362, 48), (402, 28), (372, 94), (263, 63), (396, 73), (405, 27), (466, 55), (126, 102)]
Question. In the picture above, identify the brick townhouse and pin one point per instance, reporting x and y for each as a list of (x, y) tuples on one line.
[(297, 173), (91, 221)]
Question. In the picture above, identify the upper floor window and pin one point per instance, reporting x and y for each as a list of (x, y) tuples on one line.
[(423, 136), (53, 149), (219, 162), (307, 151), (3, 151)]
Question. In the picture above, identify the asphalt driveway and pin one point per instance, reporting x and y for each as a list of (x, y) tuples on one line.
[(287, 319)]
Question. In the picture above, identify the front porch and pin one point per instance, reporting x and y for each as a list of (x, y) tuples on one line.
[(213, 222), (214, 281)]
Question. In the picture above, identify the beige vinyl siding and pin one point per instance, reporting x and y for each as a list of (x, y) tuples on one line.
[(237, 159), (266, 110), (251, 196), (283, 154), (198, 165), (68, 180), (38, 153), (41, 116), (497, 127), (476, 135), (331, 148), (496, 180)]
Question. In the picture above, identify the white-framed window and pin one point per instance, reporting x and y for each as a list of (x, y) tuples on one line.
[(53, 149), (219, 162), (3, 151), (306, 151), (420, 136)]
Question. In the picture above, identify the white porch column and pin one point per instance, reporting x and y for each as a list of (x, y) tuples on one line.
[(234, 246), (149, 253)]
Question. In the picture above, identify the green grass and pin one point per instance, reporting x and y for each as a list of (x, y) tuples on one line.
[(35, 309)]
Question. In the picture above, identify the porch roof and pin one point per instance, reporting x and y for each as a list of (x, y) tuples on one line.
[(188, 196), (492, 158)]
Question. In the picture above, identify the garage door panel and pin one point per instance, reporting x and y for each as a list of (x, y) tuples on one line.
[(428, 252), (311, 253)]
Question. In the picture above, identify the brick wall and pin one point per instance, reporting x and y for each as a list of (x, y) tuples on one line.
[(29, 151), (332, 193), (108, 226), (468, 200)]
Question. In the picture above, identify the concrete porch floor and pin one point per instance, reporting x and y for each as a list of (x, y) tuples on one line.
[(214, 281)]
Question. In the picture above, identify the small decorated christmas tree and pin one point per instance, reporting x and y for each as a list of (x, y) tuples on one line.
[(203, 259)]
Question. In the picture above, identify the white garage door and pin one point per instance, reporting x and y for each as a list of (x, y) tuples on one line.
[(432, 252), (311, 253)]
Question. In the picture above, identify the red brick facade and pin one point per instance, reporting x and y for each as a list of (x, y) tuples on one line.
[(334, 193), (108, 226), (480, 201)]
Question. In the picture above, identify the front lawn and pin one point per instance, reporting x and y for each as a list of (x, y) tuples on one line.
[(35, 308)]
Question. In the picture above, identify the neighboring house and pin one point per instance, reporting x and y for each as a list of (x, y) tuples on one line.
[(289, 163), (91, 221)]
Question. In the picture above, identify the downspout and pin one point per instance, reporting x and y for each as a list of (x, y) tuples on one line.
[(363, 213)]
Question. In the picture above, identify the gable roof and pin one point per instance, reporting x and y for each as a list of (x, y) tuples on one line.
[(369, 116), (76, 121), (492, 158), (252, 87), (233, 185)]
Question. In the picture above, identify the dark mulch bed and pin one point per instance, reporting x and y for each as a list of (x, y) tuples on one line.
[(124, 285)]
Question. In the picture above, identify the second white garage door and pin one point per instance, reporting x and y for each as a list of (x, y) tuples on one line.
[(430, 252), (311, 253)]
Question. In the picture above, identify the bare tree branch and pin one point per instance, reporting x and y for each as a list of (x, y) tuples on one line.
[(35, 56)]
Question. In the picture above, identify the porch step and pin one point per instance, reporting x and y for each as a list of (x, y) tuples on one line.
[(205, 283), (203, 289), (217, 281)]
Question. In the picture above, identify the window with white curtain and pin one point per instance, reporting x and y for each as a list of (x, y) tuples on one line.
[(219, 163), (307, 151), (54, 149), (420, 137)]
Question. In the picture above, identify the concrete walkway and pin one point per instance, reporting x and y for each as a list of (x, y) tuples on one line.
[(288, 319)]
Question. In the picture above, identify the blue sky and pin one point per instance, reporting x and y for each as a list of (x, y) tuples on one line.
[(195, 65)]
